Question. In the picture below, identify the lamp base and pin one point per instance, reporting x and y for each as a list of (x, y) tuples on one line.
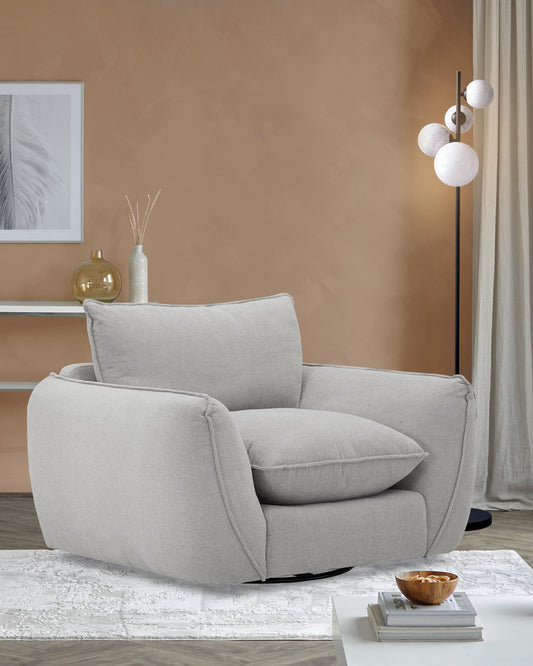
[(478, 520), (299, 578)]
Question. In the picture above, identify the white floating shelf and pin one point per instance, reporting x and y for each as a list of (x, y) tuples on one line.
[(36, 309), (41, 309), (17, 386)]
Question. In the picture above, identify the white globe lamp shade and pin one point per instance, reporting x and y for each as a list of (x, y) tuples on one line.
[(432, 137), (479, 94), (456, 164), (449, 118)]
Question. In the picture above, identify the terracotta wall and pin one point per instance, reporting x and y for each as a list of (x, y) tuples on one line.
[(283, 134)]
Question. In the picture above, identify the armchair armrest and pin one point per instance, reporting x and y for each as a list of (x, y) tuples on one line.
[(437, 411), (150, 479), (83, 371)]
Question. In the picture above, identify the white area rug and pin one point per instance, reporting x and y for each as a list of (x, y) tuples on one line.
[(53, 595)]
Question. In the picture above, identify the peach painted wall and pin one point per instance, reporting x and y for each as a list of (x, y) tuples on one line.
[(283, 134)]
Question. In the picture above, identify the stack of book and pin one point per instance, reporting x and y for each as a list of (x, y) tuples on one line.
[(395, 618)]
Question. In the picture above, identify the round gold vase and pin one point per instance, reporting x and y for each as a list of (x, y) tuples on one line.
[(96, 278)]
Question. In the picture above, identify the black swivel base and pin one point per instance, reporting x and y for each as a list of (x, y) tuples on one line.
[(299, 578), (478, 520)]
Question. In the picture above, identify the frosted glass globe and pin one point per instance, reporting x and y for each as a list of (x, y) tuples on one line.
[(456, 164), (469, 118), (432, 137), (479, 94)]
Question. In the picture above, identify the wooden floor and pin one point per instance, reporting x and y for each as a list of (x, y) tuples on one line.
[(19, 529)]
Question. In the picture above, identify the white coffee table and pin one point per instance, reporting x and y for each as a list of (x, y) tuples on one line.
[(507, 637)]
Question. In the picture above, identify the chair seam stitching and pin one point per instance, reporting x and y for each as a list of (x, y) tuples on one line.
[(393, 456), (222, 488), (96, 360), (446, 517), (202, 305), (394, 372), (125, 387)]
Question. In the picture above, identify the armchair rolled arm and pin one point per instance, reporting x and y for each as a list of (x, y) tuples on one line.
[(437, 411), (146, 478)]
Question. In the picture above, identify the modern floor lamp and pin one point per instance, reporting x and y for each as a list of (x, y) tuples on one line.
[(456, 164)]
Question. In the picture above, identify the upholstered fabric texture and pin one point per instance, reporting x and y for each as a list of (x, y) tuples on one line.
[(316, 537), (150, 479), (84, 371), (160, 480), (247, 354), (437, 411), (141, 462), (302, 456)]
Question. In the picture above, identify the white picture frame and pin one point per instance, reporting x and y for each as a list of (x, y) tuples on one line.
[(41, 162)]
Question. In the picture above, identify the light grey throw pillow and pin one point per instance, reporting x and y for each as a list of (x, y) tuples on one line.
[(304, 456), (247, 354)]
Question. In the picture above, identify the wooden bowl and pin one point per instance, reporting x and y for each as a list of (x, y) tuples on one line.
[(423, 592)]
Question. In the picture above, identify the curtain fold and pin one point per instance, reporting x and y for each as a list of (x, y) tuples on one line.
[(503, 252)]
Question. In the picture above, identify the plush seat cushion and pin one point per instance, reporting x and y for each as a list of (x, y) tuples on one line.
[(304, 456), (247, 354)]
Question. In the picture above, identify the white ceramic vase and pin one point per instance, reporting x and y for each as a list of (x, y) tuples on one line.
[(138, 265)]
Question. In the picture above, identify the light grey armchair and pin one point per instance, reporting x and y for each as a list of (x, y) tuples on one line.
[(197, 445)]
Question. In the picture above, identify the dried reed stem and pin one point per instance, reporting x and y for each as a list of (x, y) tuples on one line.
[(138, 225)]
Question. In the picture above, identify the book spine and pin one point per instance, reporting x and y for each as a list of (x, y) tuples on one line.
[(383, 609), (430, 621)]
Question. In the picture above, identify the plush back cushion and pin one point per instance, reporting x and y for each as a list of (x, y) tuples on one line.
[(304, 456), (247, 354)]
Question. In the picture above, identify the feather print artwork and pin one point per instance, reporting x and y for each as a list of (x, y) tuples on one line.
[(28, 173)]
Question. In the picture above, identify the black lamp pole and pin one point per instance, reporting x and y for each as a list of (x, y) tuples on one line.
[(459, 119), (478, 518)]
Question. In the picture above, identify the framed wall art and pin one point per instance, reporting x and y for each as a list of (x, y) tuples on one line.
[(41, 162)]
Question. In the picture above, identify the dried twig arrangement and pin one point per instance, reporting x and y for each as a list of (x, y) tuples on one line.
[(138, 226)]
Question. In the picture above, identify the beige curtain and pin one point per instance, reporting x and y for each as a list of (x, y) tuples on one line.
[(503, 254)]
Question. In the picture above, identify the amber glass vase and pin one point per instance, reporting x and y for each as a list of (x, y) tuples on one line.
[(96, 278)]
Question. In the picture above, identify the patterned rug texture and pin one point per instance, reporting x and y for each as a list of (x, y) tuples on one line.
[(53, 595)]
